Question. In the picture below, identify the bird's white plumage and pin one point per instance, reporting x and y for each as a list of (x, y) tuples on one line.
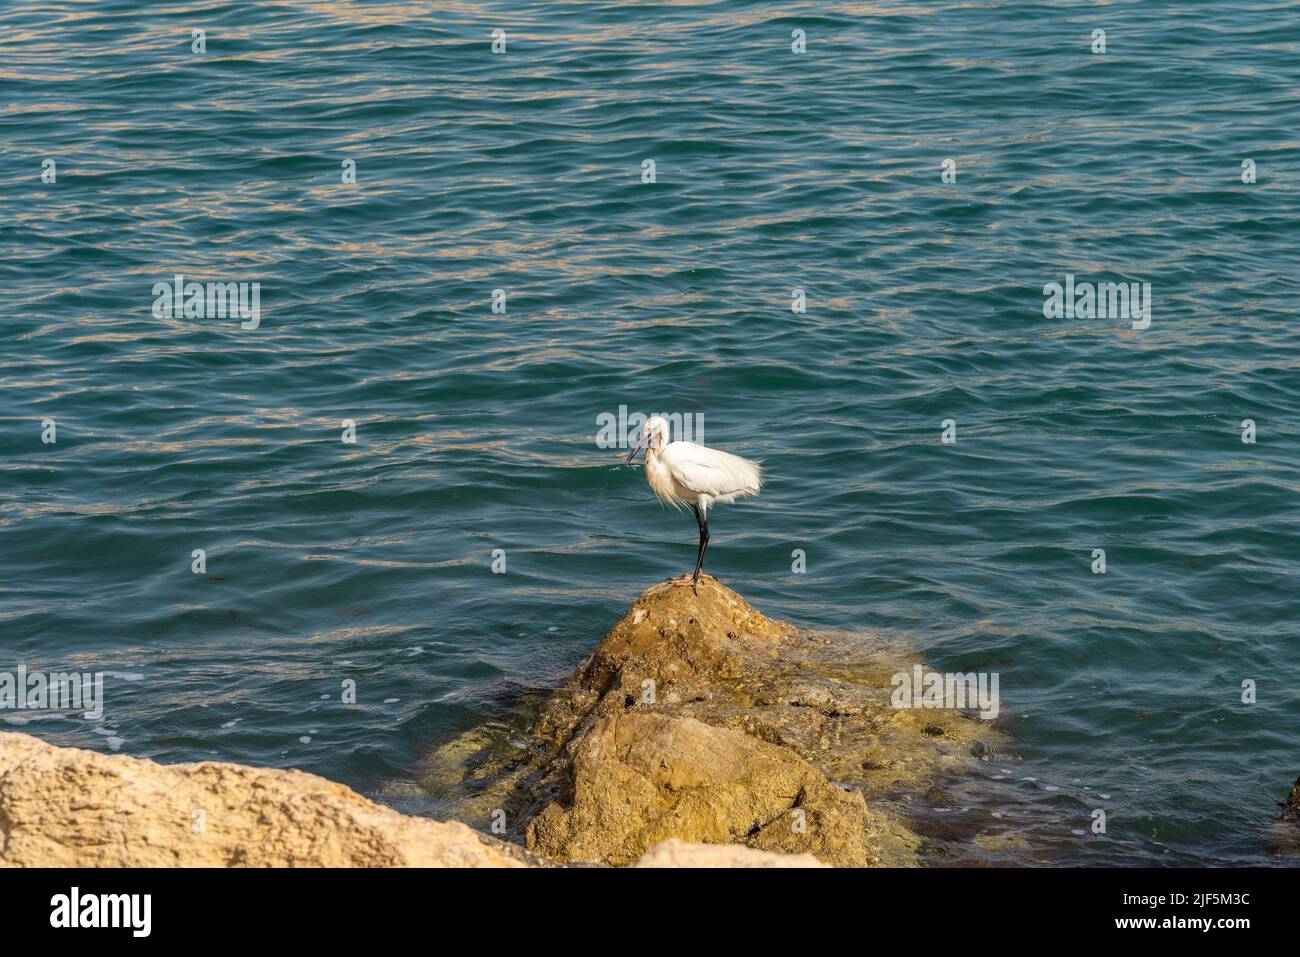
[(686, 473), (683, 473)]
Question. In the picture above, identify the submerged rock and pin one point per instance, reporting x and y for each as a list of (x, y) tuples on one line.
[(1291, 807), (699, 719), (1284, 834)]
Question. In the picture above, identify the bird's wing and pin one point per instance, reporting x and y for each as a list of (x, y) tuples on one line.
[(711, 472)]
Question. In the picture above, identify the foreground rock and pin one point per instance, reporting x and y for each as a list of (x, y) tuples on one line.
[(699, 719), (65, 807)]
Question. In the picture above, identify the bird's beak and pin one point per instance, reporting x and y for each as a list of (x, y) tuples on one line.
[(633, 455)]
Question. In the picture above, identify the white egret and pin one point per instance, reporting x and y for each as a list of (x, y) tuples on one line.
[(685, 473)]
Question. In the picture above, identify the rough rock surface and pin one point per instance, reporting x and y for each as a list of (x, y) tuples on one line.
[(63, 807), (639, 779), (698, 718)]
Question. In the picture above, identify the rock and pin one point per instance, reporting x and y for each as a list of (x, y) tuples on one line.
[(62, 807), (639, 779), (674, 853), (696, 718)]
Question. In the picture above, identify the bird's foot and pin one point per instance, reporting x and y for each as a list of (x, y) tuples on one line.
[(688, 578)]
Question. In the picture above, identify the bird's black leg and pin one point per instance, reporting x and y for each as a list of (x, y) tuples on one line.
[(703, 522)]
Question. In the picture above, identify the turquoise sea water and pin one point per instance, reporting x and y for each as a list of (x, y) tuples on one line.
[(774, 170)]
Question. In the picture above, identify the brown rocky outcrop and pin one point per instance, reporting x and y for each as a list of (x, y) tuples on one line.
[(699, 719)]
